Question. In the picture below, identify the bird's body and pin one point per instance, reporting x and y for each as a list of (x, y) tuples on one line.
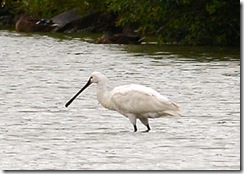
[(132, 101)]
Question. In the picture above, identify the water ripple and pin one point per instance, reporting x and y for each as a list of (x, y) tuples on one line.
[(39, 74)]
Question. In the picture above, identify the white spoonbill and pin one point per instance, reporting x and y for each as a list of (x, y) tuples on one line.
[(132, 101)]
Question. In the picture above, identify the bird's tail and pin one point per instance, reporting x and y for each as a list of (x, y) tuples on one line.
[(174, 111)]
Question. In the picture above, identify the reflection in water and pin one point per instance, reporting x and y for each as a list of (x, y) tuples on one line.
[(40, 73)]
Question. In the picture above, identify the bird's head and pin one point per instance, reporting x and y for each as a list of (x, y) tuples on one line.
[(97, 77)]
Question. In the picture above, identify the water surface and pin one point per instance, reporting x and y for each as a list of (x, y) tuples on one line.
[(39, 74)]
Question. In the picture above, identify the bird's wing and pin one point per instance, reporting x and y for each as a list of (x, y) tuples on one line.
[(141, 100)]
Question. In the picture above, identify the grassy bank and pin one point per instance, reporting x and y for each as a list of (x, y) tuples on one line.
[(188, 22)]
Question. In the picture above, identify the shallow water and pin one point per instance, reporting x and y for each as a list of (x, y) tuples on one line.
[(39, 74)]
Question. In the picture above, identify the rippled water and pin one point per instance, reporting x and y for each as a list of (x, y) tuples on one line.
[(39, 74)]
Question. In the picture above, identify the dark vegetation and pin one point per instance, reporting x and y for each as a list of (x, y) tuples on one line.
[(190, 22)]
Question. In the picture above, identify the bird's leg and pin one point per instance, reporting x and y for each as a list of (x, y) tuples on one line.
[(148, 128), (144, 121), (132, 119), (135, 128)]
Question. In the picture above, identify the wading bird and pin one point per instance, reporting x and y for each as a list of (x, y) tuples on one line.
[(132, 101)]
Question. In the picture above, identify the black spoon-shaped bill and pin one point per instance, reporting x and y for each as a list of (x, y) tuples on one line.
[(78, 93)]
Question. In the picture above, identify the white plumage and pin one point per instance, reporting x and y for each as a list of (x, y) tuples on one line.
[(133, 101)]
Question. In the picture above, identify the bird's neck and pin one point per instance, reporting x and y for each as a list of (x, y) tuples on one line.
[(103, 95)]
